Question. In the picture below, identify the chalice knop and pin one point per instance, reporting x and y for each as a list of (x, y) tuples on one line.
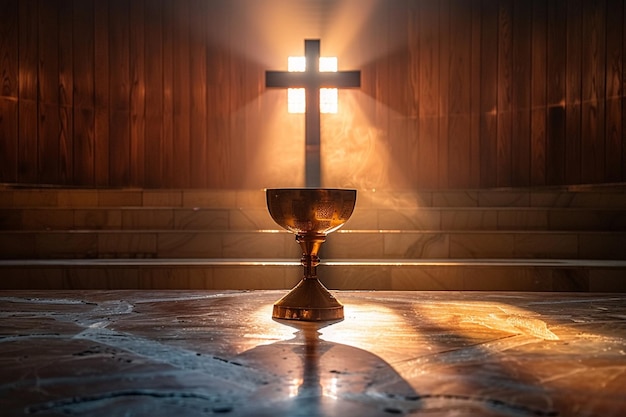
[(310, 213)]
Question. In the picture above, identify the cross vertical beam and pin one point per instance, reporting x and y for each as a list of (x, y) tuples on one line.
[(312, 80), (312, 141)]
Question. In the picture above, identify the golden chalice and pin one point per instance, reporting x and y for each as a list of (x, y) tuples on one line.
[(310, 213)]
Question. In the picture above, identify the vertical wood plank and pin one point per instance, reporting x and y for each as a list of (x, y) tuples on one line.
[(198, 128), (475, 94), (428, 149), (381, 71), (218, 96), (398, 95), (137, 93), (48, 124), (84, 99), (459, 139), (505, 82), (573, 92), (181, 95), (101, 90), (9, 13), (154, 147), (614, 81), (556, 67), (520, 94), (444, 91), (27, 106), (119, 87), (623, 96), (413, 91), (489, 94), (169, 177), (593, 91), (538, 99), (66, 89)]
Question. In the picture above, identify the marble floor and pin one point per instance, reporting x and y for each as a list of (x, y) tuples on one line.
[(200, 353)]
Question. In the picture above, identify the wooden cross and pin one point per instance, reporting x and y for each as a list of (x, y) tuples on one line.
[(312, 80)]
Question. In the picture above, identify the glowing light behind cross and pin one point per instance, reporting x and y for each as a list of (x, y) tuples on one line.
[(296, 97)]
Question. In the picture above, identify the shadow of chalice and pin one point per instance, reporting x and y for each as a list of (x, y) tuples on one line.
[(310, 213)]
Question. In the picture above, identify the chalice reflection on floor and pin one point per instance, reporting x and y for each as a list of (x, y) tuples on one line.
[(310, 213)]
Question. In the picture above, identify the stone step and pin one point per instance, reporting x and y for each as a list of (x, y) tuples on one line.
[(346, 244), (399, 274), (604, 196), (422, 218)]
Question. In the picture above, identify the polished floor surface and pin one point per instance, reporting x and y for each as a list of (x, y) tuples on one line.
[(200, 353)]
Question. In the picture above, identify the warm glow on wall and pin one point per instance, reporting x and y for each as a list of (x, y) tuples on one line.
[(296, 97)]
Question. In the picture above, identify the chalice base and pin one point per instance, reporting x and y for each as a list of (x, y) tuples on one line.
[(308, 301)]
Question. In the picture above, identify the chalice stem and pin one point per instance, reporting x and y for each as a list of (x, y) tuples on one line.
[(310, 244)]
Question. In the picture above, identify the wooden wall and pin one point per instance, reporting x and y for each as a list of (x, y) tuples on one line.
[(170, 93)]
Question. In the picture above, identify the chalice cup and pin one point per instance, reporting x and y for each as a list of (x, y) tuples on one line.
[(310, 213)]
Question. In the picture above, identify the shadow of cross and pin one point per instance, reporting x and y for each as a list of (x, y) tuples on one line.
[(312, 80)]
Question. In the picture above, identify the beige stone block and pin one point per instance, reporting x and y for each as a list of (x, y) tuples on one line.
[(473, 245), (98, 218), (348, 245), (426, 278), (189, 245), (507, 198), (118, 278), (409, 219), (251, 219), (154, 218), (587, 219), (570, 279), (469, 219), (35, 198), (210, 198), (528, 219), (120, 198), (551, 198), (31, 278), (48, 219), (258, 245), (78, 198), (162, 198), (455, 198), (201, 219), (607, 280), (416, 245), (503, 278), (602, 245), (546, 245), (360, 277), (251, 278), (6, 198), (10, 219), (393, 199), (17, 245), (66, 245), (362, 219), (127, 244), (251, 199), (177, 277), (599, 199)]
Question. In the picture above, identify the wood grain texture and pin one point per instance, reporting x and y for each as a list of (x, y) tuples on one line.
[(520, 93), (84, 96), (538, 116), (167, 93), (9, 41), (489, 94)]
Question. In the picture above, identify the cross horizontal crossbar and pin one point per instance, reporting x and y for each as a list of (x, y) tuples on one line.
[(343, 79)]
